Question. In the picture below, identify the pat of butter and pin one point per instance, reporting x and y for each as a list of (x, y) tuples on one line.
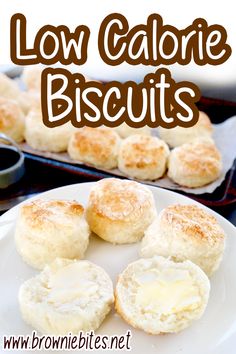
[(171, 291), (70, 283)]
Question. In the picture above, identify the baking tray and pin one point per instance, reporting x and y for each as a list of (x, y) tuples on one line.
[(217, 109), (224, 195)]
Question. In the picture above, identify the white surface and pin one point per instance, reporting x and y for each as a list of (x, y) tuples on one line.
[(214, 333)]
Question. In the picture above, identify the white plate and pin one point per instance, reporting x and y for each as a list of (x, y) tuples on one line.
[(214, 333)]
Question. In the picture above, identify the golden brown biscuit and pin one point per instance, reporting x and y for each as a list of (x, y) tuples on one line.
[(119, 211), (31, 77), (179, 135), (186, 232), (12, 121), (43, 138), (47, 229), (143, 157), (29, 100), (96, 146), (8, 87), (124, 130), (195, 164)]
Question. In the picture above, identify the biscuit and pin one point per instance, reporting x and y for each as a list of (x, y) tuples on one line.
[(119, 211), (143, 157), (47, 229), (124, 130), (181, 135), (96, 146), (158, 295), (31, 77), (11, 119), (66, 297), (186, 232), (195, 164), (43, 138), (8, 87), (29, 100)]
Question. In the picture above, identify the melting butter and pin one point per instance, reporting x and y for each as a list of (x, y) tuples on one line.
[(70, 283), (167, 292)]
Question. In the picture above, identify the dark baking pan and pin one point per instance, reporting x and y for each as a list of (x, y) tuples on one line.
[(218, 110)]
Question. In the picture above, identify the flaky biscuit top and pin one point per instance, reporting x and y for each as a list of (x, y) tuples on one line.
[(119, 199), (42, 213), (193, 221)]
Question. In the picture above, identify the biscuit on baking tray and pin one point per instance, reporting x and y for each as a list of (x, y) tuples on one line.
[(29, 100), (47, 229), (124, 130), (143, 157), (67, 296), (186, 232), (96, 146), (181, 135), (31, 77), (42, 138), (11, 119), (158, 295), (195, 164), (119, 211), (8, 87)]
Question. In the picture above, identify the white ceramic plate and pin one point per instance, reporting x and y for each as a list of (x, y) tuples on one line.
[(214, 333)]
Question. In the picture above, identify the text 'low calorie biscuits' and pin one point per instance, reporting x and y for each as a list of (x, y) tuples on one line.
[(119, 211), (47, 229), (67, 297), (186, 232), (158, 295)]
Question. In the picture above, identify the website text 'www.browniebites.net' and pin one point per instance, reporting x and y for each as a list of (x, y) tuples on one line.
[(82, 342)]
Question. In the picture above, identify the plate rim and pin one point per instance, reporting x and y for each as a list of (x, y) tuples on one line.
[(153, 189), (224, 222)]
